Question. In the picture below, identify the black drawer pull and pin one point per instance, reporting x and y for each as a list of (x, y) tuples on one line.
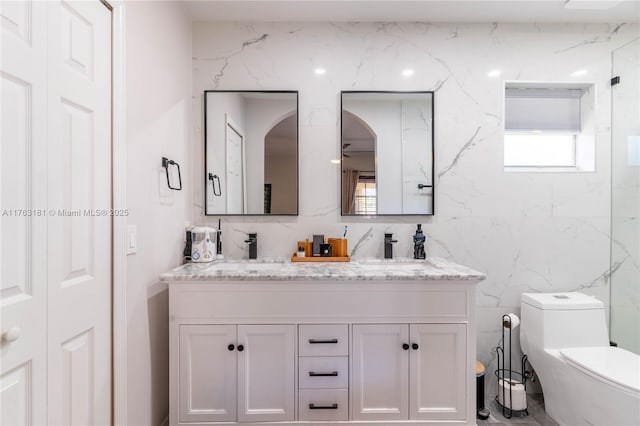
[(323, 407), (332, 374), (314, 341)]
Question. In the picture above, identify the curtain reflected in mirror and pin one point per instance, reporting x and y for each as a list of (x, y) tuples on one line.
[(349, 184)]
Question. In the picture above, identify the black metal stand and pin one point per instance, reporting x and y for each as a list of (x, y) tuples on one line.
[(509, 375)]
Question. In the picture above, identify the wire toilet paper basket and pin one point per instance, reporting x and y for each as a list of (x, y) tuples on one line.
[(512, 384)]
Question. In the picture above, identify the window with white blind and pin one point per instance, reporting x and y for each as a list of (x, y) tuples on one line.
[(549, 127), (366, 196)]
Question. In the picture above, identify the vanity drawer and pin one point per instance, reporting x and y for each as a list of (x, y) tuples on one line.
[(318, 372), (323, 339), (323, 404)]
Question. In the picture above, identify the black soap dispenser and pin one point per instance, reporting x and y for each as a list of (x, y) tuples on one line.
[(219, 241), (419, 240)]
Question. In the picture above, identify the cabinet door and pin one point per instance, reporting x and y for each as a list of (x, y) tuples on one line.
[(380, 372), (207, 373), (437, 370), (266, 373)]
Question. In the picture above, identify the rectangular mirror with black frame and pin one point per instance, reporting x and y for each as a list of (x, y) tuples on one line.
[(251, 152), (387, 161)]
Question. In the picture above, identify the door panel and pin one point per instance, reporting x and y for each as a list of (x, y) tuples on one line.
[(266, 373), (235, 176), (23, 185), (16, 387), (77, 144), (77, 373), (79, 234), (379, 375), (207, 373), (17, 20), (438, 379)]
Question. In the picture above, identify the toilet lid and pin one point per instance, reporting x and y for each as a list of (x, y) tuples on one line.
[(609, 364)]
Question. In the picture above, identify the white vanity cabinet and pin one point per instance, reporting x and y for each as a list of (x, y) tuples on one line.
[(409, 372), (325, 345), (230, 373)]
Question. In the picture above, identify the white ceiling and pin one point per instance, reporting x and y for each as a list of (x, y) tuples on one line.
[(539, 11)]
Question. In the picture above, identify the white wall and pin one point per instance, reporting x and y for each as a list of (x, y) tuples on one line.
[(416, 156), (158, 107), (261, 116), (527, 231)]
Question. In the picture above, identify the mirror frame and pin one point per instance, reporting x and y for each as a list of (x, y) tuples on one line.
[(433, 143), (206, 181)]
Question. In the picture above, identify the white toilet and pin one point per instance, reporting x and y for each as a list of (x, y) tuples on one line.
[(584, 380)]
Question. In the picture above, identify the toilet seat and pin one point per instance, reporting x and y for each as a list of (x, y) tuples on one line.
[(614, 366)]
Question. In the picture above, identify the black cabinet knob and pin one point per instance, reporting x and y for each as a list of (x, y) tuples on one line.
[(405, 346), (231, 347), (415, 346), (240, 348)]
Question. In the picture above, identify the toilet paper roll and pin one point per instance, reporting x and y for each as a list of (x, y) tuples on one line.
[(510, 321)]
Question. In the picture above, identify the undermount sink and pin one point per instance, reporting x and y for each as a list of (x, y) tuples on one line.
[(381, 267), (395, 263), (245, 266)]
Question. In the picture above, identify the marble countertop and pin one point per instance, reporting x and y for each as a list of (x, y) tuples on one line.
[(433, 268)]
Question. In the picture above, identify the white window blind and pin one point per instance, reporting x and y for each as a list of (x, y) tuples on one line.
[(546, 110)]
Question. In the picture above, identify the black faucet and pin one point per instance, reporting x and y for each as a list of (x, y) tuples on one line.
[(418, 244), (253, 245), (388, 245)]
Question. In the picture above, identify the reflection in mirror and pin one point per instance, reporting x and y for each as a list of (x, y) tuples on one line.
[(251, 152), (387, 153)]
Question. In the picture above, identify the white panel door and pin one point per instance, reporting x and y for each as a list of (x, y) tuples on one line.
[(437, 370), (266, 373), (79, 233), (235, 176), (23, 185), (207, 358), (380, 366)]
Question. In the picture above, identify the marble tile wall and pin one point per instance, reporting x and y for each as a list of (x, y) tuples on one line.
[(527, 231)]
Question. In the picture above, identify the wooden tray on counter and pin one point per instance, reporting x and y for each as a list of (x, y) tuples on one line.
[(295, 258)]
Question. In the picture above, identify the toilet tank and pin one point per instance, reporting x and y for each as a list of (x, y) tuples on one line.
[(562, 320)]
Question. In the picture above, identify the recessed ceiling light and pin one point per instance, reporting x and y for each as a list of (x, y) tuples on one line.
[(408, 72), (335, 161), (578, 73), (320, 71), (494, 73)]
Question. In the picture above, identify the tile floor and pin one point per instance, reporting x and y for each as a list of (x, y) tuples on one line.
[(537, 416)]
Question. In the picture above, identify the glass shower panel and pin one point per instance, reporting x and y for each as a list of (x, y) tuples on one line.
[(625, 198)]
